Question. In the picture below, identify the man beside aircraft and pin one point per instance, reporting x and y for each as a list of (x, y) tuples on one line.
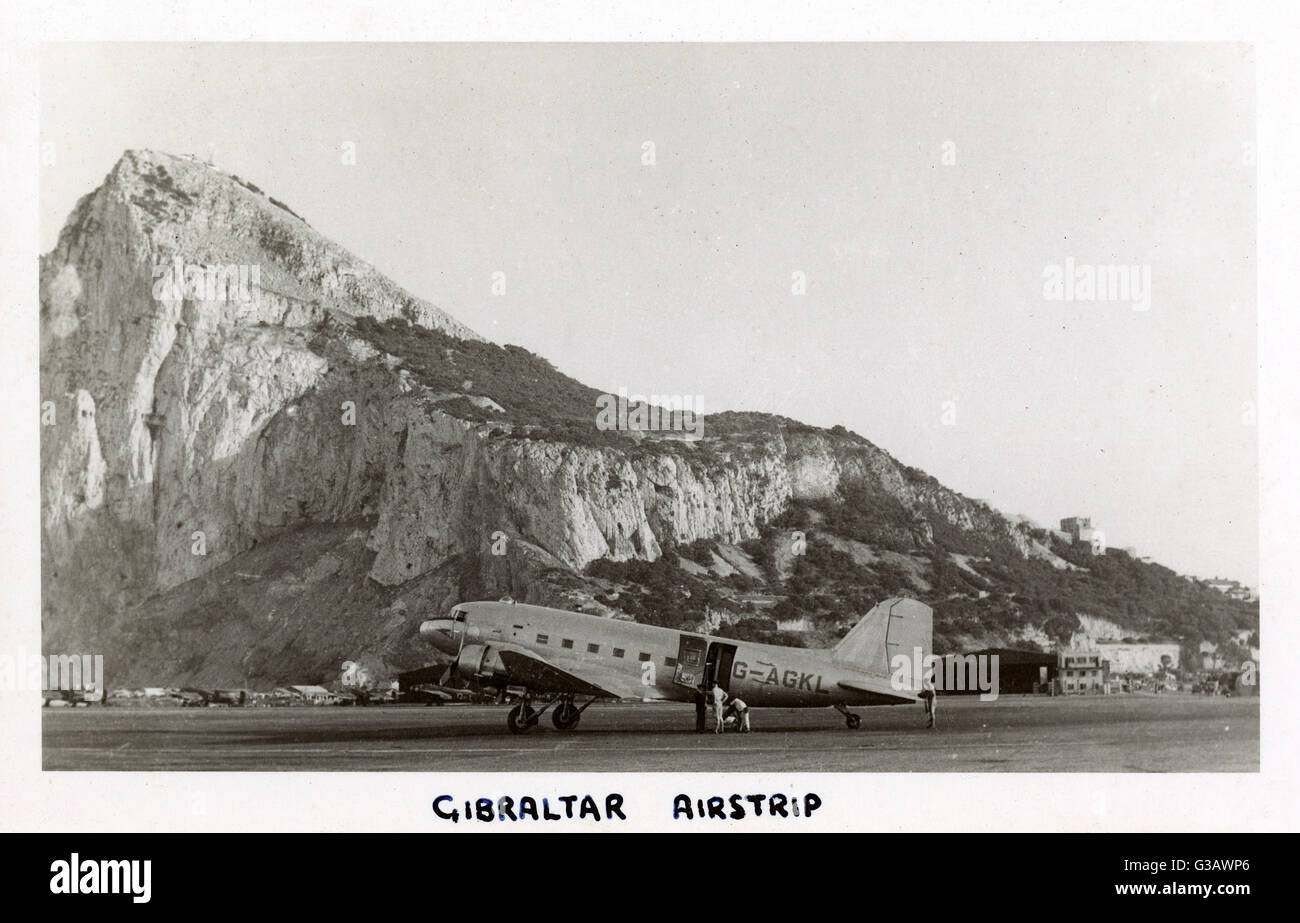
[(725, 705), (719, 703), (736, 707), (928, 696)]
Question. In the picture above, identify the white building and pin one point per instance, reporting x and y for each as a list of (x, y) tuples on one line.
[(316, 695), (1139, 657)]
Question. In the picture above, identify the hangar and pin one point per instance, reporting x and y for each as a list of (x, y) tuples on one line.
[(1021, 672)]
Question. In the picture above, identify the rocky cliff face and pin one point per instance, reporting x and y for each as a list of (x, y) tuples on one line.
[(206, 389), (176, 312)]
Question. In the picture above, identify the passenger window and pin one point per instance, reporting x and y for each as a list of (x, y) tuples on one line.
[(618, 652), (670, 661), (543, 639), (566, 643), (644, 657), (593, 648)]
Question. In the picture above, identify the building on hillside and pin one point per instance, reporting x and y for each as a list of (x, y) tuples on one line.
[(1139, 657), (1082, 672), (1233, 589), (1073, 525), (1080, 530)]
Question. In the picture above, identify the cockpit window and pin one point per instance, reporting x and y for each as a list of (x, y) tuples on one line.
[(458, 615)]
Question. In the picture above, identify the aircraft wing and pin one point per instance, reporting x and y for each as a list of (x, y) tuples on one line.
[(445, 694), (883, 691), (529, 670)]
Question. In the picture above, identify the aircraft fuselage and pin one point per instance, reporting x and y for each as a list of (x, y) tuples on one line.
[(632, 660)]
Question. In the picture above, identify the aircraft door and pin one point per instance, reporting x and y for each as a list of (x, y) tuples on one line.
[(717, 665), (690, 661)]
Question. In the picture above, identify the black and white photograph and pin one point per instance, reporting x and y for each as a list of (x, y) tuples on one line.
[(826, 410)]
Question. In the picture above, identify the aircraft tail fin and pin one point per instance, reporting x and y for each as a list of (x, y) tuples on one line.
[(896, 626)]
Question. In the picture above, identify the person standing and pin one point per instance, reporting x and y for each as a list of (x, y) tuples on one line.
[(929, 697), (719, 704)]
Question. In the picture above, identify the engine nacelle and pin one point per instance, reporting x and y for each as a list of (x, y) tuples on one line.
[(481, 662)]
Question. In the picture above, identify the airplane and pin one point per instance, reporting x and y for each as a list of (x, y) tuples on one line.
[(198, 698), (423, 685), (558, 657), (193, 698), (435, 694)]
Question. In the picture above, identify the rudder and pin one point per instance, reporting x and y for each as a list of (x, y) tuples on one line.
[(897, 625)]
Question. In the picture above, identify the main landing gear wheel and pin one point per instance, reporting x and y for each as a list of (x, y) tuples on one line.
[(853, 721), (566, 716), (521, 719)]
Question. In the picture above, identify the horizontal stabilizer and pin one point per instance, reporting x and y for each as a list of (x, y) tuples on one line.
[(881, 693)]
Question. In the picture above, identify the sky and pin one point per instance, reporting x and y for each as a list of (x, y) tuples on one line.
[(855, 234)]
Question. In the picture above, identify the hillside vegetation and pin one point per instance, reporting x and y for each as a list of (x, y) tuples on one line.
[(858, 546), (854, 552)]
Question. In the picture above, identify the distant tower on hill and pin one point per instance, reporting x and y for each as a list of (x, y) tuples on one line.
[(1080, 529)]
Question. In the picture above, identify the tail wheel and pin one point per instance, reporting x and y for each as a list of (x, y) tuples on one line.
[(853, 721), (521, 719), (566, 716)]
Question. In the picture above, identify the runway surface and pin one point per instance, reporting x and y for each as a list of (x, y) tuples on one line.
[(1138, 733)]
